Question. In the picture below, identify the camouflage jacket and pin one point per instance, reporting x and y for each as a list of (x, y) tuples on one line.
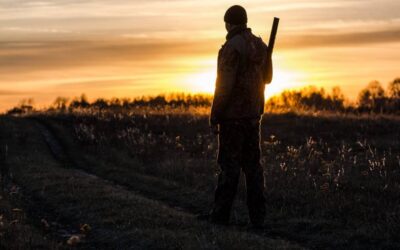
[(244, 67)]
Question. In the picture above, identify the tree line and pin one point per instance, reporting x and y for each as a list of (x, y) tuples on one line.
[(372, 99)]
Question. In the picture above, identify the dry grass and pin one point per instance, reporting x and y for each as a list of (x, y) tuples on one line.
[(332, 181), (119, 217)]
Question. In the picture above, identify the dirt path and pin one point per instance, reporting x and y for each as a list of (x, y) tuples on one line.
[(119, 218)]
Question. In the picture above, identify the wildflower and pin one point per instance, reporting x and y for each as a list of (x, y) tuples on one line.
[(85, 228), (74, 240), (324, 187), (17, 210)]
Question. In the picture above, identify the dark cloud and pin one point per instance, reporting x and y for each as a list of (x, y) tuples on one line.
[(338, 39), (27, 57), (100, 84), (13, 93), (17, 56)]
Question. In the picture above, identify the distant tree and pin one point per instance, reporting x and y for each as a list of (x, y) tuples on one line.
[(313, 98), (337, 93), (394, 89), (25, 106), (15, 111), (115, 102), (291, 99), (75, 103), (100, 104), (201, 100), (176, 99), (126, 102), (84, 101), (372, 97), (338, 98), (394, 95), (80, 102), (26, 102), (61, 103), (158, 101)]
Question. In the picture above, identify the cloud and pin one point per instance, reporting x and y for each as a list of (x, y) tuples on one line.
[(101, 83), (143, 54), (302, 5), (13, 93), (47, 55), (34, 30), (338, 39)]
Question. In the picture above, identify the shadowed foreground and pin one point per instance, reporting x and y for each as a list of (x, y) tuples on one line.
[(52, 190), (138, 180)]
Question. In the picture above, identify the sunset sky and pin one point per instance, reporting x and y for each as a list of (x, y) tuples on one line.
[(143, 47)]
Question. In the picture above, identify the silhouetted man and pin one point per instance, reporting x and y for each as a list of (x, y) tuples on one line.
[(244, 67)]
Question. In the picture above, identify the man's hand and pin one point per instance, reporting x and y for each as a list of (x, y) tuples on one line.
[(214, 129)]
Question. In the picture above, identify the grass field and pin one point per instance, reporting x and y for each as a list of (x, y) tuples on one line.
[(138, 180)]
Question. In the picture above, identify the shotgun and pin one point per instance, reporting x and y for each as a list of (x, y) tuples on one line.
[(272, 37)]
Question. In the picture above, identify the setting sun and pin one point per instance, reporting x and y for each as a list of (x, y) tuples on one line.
[(203, 82), (282, 80)]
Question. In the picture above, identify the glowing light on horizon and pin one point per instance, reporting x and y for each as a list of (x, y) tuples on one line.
[(283, 80), (204, 82), (201, 82)]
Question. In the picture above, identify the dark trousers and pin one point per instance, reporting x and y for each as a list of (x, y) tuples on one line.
[(239, 149)]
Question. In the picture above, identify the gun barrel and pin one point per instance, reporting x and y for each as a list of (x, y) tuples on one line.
[(272, 37)]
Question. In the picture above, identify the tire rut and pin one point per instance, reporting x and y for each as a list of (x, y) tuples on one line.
[(61, 155)]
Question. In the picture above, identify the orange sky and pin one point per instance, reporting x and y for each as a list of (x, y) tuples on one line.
[(133, 48)]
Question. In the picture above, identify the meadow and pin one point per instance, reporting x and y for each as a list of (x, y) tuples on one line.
[(140, 176)]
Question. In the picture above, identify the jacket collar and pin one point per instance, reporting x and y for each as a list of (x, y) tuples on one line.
[(237, 30)]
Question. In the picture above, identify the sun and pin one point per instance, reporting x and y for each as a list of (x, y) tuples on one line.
[(282, 80), (202, 82)]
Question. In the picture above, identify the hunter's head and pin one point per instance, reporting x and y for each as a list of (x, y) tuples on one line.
[(234, 16)]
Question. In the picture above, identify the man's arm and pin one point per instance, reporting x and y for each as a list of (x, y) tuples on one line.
[(228, 63), (268, 69)]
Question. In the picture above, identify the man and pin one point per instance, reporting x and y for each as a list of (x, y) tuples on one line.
[(244, 67)]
